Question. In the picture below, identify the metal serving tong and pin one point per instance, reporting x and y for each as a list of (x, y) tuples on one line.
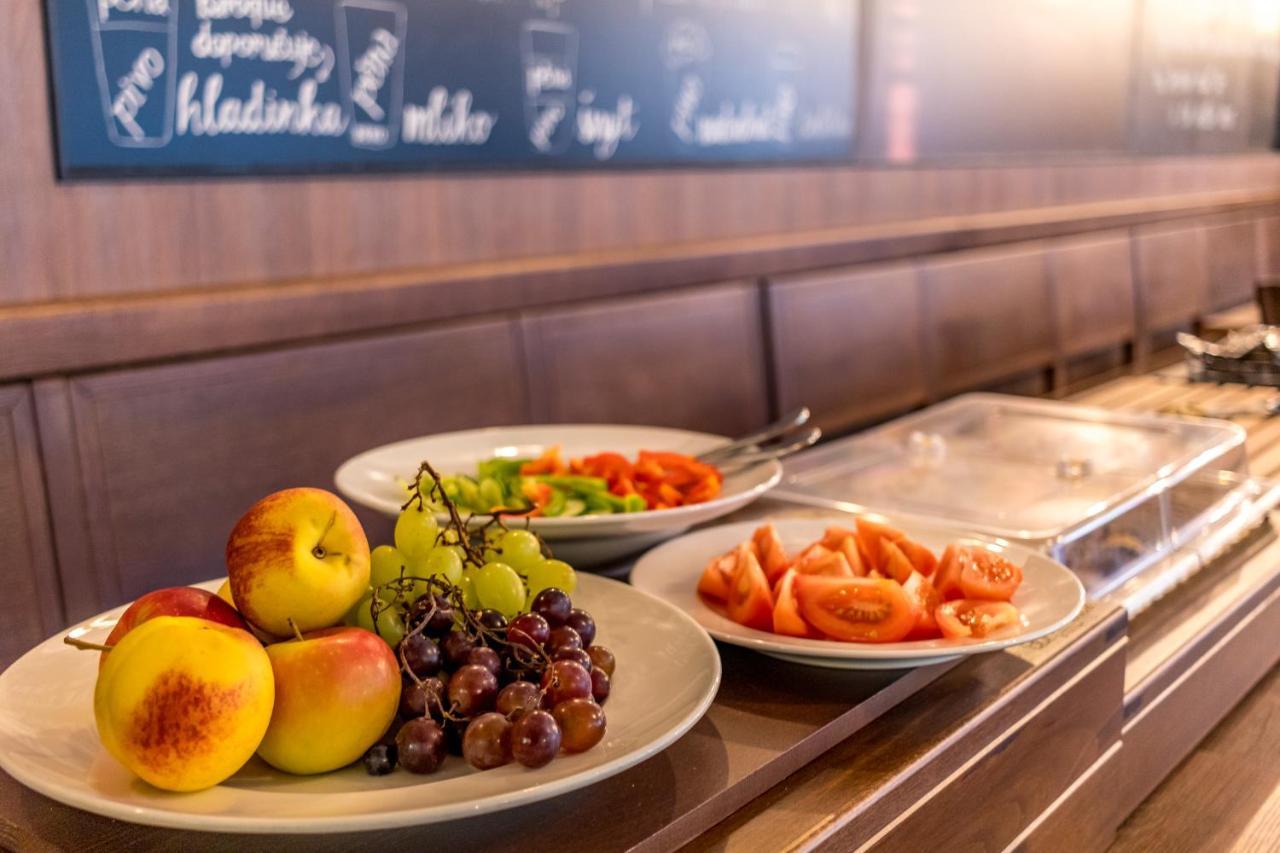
[(775, 441)]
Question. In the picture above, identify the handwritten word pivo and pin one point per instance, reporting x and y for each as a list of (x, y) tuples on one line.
[(134, 90)]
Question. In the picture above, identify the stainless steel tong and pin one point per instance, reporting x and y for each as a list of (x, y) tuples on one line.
[(775, 441)]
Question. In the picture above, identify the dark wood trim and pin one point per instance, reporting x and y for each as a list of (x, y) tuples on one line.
[(59, 337)]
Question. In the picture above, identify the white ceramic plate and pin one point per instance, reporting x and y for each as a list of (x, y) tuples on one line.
[(375, 477), (1050, 596), (49, 743)]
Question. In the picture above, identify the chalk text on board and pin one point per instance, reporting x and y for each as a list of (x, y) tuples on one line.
[(208, 113), (135, 88), (447, 120), (133, 7)]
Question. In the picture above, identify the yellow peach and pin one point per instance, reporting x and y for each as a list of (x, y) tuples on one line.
[(183, 702), (297, 558)]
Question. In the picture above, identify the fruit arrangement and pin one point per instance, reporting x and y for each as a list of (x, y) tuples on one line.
[(317, 653), (600, 484), (869, 584)]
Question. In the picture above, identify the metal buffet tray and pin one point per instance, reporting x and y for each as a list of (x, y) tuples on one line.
[(1109, 494)]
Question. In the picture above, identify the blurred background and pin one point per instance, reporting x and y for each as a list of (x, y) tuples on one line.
[(231, 258)]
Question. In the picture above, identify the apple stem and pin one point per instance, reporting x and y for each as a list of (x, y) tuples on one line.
[(85, 645), (294, 625), (319, 550)]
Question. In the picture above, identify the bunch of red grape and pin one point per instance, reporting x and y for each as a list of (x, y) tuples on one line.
[(495, 691)]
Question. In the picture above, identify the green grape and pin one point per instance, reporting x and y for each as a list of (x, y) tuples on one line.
[(352, 616), (521, 550), (440, 562), (492, 549), (385, 563), (499, 588), (391, 625), (551, 573), (469, 598), (416, 532)]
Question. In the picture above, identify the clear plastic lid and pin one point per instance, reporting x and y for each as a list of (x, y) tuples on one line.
[(1009, 466)]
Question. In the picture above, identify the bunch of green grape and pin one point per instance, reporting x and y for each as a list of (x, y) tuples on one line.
[(514, 572)]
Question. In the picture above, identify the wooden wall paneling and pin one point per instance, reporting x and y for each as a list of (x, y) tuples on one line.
[(30, 607), (1233, 263), (847, 343), (1171, 274), (988, 316), (172, 455), (1092, 279), (692, 359), (1267, 240)]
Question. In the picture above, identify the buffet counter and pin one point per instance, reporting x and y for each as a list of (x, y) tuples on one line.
[(1046, 745)]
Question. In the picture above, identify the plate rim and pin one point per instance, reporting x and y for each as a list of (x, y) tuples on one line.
[(584, 523), (324, 825), (766, 642)]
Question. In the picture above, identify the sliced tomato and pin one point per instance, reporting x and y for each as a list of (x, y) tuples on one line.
[(987, 575), (830, 564), (921, 557), (715, 579), (786, 610), (946, 580), (773, 557), (855, 609), (966, 617), (849, 547), (834, 535), (926, 599), (750, 603), (814, 553), (893, 562)]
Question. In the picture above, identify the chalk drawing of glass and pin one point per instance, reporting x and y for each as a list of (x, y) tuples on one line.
[(134, 51), (371, 58), (549, 56)]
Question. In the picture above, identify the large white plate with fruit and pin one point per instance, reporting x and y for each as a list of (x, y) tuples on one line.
[(861, 593), (587, 526), (195, 718)]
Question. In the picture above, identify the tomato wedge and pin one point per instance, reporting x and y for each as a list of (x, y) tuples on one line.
[(714, 582), (921, 557), (987, 575), (786, 610), (834, 535), (855, 609), (849, 547), (750, 603), (926, 599), (813, 554), (829, 564), (894, 563), (969, 618), (946, 580), (773, 558)]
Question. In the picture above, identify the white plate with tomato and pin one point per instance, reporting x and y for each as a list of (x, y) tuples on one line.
[(861, 593), (378, 479)]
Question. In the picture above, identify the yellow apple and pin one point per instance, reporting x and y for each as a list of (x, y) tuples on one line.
[(297, 558), (337, 691), (183, 702)]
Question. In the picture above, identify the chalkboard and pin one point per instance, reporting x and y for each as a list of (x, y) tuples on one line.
[(987, 78), (155, 87), (1207, 76)]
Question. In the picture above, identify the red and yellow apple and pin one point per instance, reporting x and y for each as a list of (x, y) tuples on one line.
[(174, 601), (297, 559), (183, 702), (337, 691)]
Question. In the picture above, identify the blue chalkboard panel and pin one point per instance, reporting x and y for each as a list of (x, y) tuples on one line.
[(155, 87)]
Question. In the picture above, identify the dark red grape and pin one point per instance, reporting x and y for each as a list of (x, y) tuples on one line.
[(493, 620), (581, 621), (487, 741), (563, 637), (456, 646), (535, 739), (421, 654), (603, 659), (437, 611), (380, 759), (487, 658), (472, 690), (517, 698), (421, 746), (453, 731), (565, 679), (581, 722), (553, 605), (528, 630), (417, 700), (599, 685), (578, 656)]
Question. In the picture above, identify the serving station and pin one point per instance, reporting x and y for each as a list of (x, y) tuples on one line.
[(1043, 744)]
